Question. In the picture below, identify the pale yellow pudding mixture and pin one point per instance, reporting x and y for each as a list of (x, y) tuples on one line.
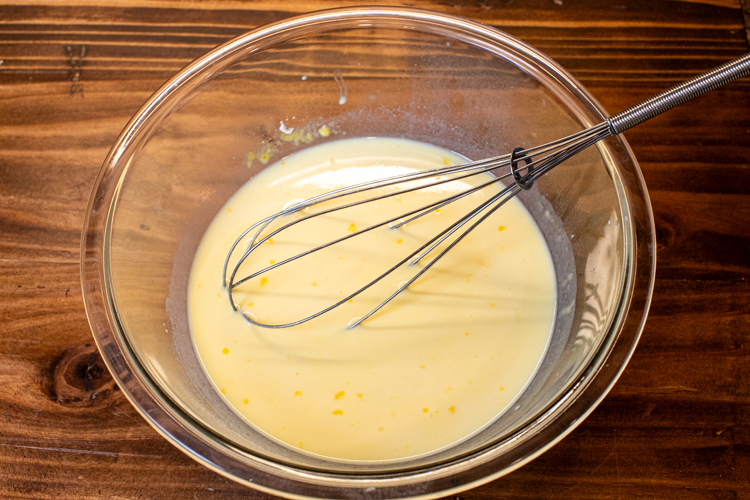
[(437, 364)]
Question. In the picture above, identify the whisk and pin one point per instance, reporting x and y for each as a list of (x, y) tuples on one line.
[(524, 167)]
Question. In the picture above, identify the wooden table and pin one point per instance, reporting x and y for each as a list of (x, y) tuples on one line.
[(676, 425)]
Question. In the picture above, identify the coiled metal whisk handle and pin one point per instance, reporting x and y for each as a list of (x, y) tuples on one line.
[(674, 96)]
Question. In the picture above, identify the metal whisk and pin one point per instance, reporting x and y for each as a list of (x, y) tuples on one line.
[(524, 167)]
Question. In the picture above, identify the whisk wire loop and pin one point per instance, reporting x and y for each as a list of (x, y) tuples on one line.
[(256, 242)]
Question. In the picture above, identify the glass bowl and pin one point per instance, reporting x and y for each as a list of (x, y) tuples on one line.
[(410, 74)]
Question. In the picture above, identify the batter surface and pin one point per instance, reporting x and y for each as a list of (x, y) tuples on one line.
[(431, 368)]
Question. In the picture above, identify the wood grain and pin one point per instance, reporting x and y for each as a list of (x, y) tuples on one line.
[(676, 425)]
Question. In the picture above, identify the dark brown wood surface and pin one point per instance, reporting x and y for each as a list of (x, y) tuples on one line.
[(72, 72)]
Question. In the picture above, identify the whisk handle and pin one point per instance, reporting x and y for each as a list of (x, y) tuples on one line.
[(680, 93)]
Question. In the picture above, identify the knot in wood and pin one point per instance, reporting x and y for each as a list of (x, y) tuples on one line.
[(78, 377)]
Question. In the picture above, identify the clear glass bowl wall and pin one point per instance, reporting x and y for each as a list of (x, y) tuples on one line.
[(451, 83)]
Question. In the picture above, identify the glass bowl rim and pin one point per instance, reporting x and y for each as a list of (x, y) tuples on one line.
[(218, 454)]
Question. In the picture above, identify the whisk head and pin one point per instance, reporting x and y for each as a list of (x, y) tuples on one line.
[(511, 174)]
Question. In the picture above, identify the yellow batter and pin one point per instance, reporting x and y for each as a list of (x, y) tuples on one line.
[(431, 368)]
